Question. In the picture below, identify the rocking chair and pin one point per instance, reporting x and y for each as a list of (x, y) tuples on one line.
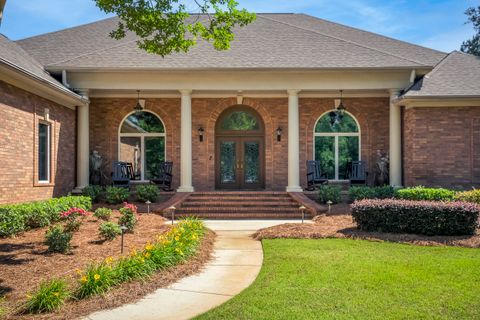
[(165, 176), (315, 177), (356, 172)]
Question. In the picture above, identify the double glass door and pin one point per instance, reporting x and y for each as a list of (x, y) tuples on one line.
[(240, 163)]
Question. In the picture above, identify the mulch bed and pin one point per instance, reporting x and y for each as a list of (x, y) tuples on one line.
[(24, 262), (336, 225)]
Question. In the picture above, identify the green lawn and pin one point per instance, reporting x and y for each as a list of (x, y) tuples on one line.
[(354, 279)]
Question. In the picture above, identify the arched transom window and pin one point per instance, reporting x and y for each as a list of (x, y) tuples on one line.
[(336, 143), (142, 143)]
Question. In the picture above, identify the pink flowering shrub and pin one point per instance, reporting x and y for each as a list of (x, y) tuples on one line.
[(417, 217), (128, 216), (73, 218)]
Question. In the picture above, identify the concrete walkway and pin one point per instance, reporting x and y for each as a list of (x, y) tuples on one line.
[(237, 262)]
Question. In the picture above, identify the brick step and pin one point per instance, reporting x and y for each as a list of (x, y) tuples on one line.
[(238, 199), (238, 209), (240, 194), (232, 215), (189, 204)]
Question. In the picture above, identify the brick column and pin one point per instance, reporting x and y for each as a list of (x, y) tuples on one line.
[(293, 143), (395, 141), (83, 144), (186, 142)]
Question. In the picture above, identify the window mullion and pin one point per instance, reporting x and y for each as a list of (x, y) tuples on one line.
[(336, 158)]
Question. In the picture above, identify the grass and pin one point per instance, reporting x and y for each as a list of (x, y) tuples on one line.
[(354, 279)]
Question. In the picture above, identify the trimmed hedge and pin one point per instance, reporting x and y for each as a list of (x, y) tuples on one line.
[(17, 218), (417, 217), (469, 196), (329, 193), (364, 192), (422, 193)]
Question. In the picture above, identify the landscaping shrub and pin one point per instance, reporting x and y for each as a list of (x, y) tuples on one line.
[(93, 192), (422, 193), (364, 192), (73, 218), (329, 193), (21, 217), (418, 217), (147, 192), (116, 195), (109, 230), (469, 196), (50, 296), (128, 216), (103, 214), (57, 239)]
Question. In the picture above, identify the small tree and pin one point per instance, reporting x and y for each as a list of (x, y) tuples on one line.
[(472, 46), (165, 26)]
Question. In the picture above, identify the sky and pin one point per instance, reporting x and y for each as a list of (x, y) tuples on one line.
[(438, 24)]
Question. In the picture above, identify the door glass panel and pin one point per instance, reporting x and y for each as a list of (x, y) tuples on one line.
[(228, 160), (252, 162), (325, 153), (130, 151), (154, 156), (347, 151)]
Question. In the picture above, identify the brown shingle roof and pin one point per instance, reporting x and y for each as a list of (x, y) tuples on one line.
[(457, 75), (273, 41)]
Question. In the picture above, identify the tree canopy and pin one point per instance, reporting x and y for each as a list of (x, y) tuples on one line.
[(167, 26), (472, 46)]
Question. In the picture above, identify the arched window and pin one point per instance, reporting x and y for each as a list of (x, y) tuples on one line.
[(336, 144), (142, 143)]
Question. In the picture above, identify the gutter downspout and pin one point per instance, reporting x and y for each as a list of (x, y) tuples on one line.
[(64, 78)]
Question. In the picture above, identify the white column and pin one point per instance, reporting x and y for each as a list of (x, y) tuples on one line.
[(186, 142), (293, 143), (83, 145), (395, 141)]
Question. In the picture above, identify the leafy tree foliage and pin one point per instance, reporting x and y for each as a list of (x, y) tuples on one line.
[(472, 46), (166, 26)]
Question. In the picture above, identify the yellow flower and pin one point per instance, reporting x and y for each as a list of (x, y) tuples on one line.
[(180, 252), (56, 294), (194, 237), (142, 260), (84, 279), (109, 260), (182, 229), (96, 277), (177, 238), (149, 247), (133, 252), (147, 255)]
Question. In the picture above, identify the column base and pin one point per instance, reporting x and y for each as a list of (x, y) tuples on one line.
[(185, 189), (77, 190), (294, 189)]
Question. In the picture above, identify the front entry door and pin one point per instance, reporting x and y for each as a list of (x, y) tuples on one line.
[(240, 163)]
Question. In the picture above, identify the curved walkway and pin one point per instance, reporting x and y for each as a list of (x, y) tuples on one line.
[(237, 262)]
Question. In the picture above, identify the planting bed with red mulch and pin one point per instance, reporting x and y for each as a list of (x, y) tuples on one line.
[(25, 262), (339, 224)]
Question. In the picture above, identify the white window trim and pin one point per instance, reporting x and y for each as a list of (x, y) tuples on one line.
[(336, 135), (48, 149), (142, 142)]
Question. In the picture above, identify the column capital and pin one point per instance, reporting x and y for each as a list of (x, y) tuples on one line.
[(83, 92), (293, 92), (394, 92), (186, 92)]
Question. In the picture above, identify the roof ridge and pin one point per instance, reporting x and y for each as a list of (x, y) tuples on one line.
[(345, 40), (438, 65), (373, 33), (92, 52)]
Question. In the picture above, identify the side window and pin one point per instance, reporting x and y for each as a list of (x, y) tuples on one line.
[(44, 143)]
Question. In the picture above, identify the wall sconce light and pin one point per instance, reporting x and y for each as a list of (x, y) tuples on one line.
[(279, 134), (200, 133)]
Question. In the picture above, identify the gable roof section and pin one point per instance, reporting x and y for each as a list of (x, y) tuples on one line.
[(458, 75), (273, 41), (17, 59)]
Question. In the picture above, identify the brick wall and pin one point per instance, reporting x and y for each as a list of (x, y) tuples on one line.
[(106, 115), (20, 112), (442, 147)]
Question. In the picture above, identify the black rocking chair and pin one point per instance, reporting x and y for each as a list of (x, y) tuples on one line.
[(356, 172), (165, 176), (122, 173), (315, 177)]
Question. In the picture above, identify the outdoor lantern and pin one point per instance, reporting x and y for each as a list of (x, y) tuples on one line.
[(303, 208), (341, 107), (148, 203), (172, 211), (200, 133), (279, 134), (138, 107), (123, 228)]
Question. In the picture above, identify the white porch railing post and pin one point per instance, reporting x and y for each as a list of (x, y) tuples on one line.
[(395, 141), (293, 142), (186, 142), (83, 144)]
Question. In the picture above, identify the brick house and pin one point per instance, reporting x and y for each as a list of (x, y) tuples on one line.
[(247, 118)]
